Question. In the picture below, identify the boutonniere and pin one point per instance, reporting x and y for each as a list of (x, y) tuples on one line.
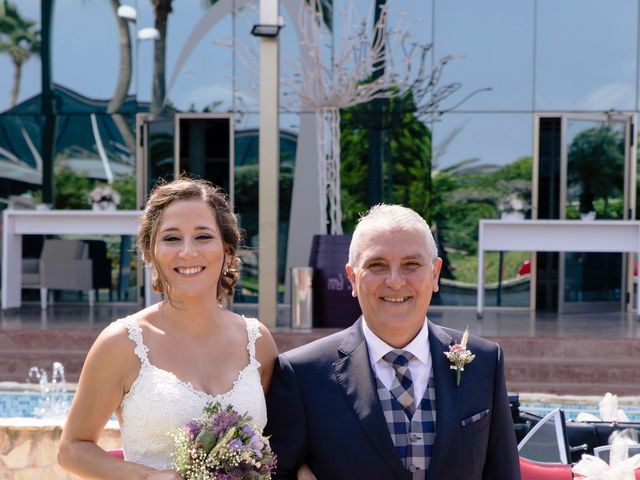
[(459, 356)]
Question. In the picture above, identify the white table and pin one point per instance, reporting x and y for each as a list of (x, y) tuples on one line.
[(54, 222), (555, 236)]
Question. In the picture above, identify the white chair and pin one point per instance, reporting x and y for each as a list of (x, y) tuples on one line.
[(63, 265)]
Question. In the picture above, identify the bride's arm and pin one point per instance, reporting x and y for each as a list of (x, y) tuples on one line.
[(266, 353), (108, 371)]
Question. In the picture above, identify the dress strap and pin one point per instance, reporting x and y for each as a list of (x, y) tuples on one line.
[(135, 334), (253, 333)]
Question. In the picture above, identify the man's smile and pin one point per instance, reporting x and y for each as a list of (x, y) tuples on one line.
[(395, 299)]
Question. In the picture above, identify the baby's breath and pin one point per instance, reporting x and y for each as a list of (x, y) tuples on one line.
[(222, 445)]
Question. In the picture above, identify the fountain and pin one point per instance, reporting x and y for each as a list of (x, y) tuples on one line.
[(54, 400)]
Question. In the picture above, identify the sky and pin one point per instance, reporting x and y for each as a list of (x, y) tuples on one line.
[(542, 55)]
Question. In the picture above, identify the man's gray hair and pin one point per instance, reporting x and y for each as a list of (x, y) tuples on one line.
[(391, 218)]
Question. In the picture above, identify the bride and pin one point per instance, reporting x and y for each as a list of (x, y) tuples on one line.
[(159, 367)]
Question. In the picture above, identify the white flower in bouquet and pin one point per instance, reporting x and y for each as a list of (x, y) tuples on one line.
[(222, 445)]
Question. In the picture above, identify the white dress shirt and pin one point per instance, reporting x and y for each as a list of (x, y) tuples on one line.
[(419, 366)]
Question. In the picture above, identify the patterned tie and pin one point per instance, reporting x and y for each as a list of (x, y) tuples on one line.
[(402, 387)]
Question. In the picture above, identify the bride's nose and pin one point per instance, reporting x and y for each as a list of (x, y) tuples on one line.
[(187, 249)]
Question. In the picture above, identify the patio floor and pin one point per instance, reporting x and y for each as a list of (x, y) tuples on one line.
[(582, 354)]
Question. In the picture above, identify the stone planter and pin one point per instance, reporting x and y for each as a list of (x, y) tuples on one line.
[(29, 447)]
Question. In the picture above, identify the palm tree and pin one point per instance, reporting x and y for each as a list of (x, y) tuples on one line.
[(124, 79), (20, 40), (161, 10)]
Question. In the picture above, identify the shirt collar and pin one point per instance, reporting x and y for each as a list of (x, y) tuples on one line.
[(378, 348)]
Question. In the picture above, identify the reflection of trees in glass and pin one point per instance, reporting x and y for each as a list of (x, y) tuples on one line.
[(161, 11), (124, 79), (596, 168), (72, 189), (407, 172), (20, 39), (246, 202), (467, 192)]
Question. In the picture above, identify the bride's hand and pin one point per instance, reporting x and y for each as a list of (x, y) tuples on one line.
[(164, 475), (305, 473)]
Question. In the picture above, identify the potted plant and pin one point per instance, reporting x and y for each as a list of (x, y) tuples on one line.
[(104, 198), (512, 207)]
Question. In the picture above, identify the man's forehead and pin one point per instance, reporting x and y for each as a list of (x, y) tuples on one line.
[(415, 247)]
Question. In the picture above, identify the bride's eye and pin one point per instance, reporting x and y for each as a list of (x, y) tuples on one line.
[(170, 238)]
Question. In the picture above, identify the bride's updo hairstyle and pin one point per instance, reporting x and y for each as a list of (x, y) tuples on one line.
[(184, 188)]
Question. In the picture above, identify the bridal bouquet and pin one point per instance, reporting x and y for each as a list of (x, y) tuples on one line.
[(222, 445)]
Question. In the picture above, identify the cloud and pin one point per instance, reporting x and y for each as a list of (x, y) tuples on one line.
[(613, 96)]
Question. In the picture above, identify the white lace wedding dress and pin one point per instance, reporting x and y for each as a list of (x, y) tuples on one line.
[(159, 402)]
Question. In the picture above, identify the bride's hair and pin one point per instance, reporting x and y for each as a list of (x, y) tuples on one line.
[(185, 188)]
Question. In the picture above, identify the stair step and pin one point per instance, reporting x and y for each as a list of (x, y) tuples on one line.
[(576, 348), (596, 362), (598, 389), (577, 365)]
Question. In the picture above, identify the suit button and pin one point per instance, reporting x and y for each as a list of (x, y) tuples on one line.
[(414, 437)]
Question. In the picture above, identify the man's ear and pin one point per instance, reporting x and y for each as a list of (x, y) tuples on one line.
[(437, 265), (352, 279)]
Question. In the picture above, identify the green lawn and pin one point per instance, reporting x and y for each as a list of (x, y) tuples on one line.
[(466, 266)]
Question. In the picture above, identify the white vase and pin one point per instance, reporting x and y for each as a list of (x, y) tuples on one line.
[(103, 207), (513, 216)]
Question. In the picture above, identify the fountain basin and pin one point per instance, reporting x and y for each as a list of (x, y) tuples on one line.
[(29, 445)]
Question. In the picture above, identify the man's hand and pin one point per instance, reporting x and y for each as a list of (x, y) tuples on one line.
[(305, 473)]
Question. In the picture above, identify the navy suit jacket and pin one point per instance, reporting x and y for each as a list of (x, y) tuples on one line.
[(323, 410)]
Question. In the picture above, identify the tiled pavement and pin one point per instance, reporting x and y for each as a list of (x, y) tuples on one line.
[(584, 354)]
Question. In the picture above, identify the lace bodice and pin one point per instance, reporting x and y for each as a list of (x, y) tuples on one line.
[(159, 402)]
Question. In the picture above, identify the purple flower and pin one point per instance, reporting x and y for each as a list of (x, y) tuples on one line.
[(247, 430), (223, 421), (193, 428), (235, 444), (226, 476), (256, 444)]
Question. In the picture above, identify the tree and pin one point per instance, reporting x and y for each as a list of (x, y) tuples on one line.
[(161, 10), (596, 159), (407, 173), (124, 79), (20, 39)]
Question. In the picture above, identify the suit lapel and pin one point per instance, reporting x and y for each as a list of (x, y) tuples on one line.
[(354, 375), (447, 397)]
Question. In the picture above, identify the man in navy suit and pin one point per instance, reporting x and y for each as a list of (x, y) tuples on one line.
[(380, 400)]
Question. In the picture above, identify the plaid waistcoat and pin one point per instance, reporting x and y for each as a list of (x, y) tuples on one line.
[(413, 438)]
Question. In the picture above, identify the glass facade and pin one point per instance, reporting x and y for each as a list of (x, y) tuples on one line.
[(487, 139)]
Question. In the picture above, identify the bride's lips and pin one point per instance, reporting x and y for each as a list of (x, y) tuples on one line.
[(189, 271)]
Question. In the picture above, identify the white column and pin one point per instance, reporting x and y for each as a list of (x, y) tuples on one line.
[(269, 155)]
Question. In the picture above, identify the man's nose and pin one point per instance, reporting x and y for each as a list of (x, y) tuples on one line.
[(395, 278)]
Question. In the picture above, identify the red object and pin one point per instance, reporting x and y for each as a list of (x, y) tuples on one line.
[(544, 471), (525, 268), (118, 453), (550, 471)]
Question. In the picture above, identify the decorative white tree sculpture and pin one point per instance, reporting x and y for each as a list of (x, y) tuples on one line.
[(346, 78)]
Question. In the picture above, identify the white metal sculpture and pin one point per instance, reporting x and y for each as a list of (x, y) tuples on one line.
[(370, 62)]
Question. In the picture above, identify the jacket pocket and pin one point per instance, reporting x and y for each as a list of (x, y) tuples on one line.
[(475, 422)]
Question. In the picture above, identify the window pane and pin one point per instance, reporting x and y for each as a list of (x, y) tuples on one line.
[(586, 55)]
